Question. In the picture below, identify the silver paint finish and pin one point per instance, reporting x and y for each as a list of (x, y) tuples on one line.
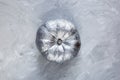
[(58, 40)]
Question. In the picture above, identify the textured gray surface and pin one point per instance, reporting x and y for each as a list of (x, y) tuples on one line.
[(98, 23)]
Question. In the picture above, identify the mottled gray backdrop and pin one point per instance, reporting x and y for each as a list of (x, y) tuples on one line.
[(98, 23)]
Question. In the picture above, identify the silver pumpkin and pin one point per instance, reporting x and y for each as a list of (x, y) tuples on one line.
[(58, 40)]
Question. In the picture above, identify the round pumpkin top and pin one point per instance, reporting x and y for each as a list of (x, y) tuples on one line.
[(58, 40)]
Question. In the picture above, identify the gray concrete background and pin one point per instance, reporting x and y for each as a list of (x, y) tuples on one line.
[(98, 22)]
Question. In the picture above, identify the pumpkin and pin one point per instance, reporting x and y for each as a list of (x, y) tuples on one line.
[(58, 40)]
